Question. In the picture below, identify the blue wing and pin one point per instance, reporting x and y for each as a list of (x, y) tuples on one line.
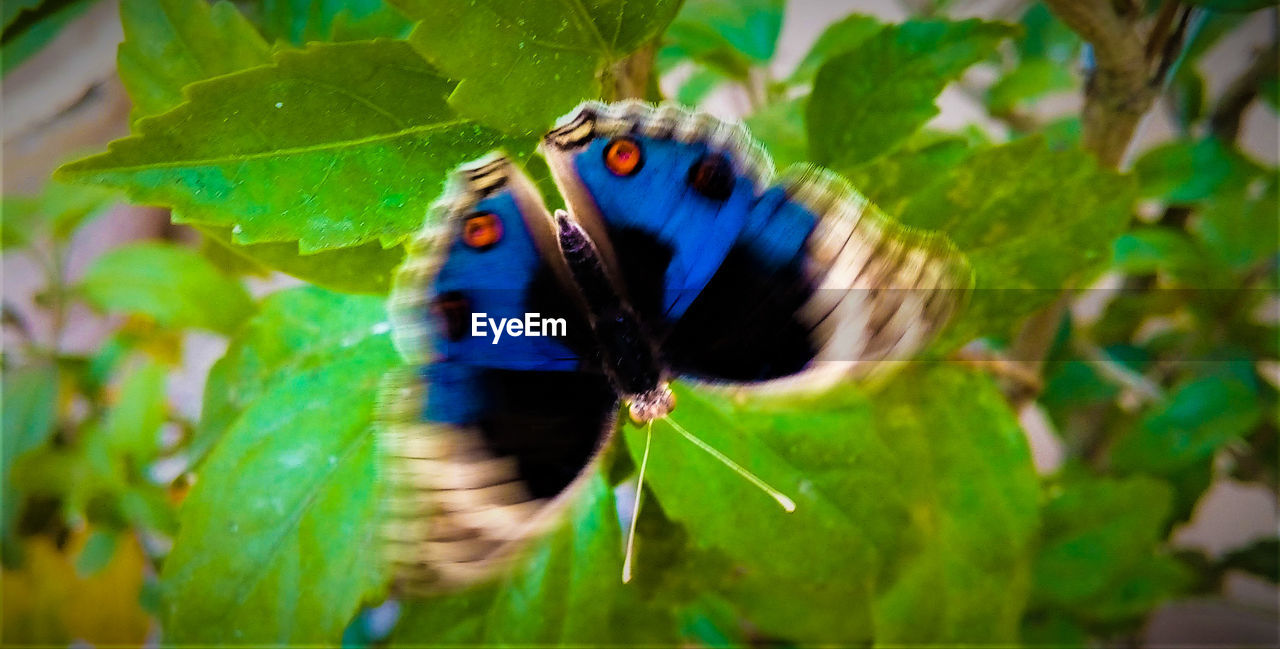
[(491, 261), (484, 434), (745, 277), (495, 258)]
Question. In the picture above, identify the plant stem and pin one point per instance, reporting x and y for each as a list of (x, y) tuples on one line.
[(58, 294), (630, 76), (1125, 80), (1127, 77), (1224, 122)]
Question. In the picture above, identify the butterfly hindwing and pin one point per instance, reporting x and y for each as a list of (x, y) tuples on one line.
[(485, 437)]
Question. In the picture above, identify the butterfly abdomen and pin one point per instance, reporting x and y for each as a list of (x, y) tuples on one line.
[(627, 353)]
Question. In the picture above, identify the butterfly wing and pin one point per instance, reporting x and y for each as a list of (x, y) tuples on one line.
[(746, 278), (485, 435)]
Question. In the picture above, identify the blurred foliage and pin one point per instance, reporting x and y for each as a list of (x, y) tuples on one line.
[(291, 483), (309, 137), (29, 25)]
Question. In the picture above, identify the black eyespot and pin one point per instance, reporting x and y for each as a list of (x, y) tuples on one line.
[(453, 309), (712, 176)]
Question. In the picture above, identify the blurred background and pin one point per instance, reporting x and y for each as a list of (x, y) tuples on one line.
[(68, 576)]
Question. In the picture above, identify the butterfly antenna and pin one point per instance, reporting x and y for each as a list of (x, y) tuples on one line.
[(635, 510), (787, 504)]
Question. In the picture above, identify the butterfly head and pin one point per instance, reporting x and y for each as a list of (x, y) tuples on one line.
[(638, 163), (654, 404)]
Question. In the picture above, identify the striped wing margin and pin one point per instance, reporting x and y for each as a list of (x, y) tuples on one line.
[(453, 512), (881, 290)]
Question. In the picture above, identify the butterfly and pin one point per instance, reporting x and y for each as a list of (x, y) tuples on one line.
[(528, 332)]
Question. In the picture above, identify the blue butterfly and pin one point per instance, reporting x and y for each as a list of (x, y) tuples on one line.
[(679, 256)]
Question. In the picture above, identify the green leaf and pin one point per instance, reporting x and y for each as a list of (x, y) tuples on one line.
[(1046, 37), (927, 485), (568, 592), (1238, 227), (1269, 91), (1149, 583), (81, 476), (148, 507), (780, 126), (58, 212), (67, 207), (301, 21), (276, 540), (172, 43), (29, 409), (292, 330), (1099, 558), (522, 65), (220, 254), (12, 8), (1032, 221), (891, 181), (31, 30), (1187, 95), (382, 23), (1199, 419), (698, 44), (1261, 558), (1185, 171), (1063, 133), (1027, 82), (332, 147), (1189, 485), (173, 285), (132, 425), (867, 100), (748, 28), (96, 553), (839, 37), (1234, 5), (366, 268), (1052, 629), (1071, 386), (1150, 249), (22, 216), (699, 84), (712, 622), (30, 395), (970, 577)]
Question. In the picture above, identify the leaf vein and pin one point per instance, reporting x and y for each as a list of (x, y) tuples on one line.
[(246, 585), (311, 148)]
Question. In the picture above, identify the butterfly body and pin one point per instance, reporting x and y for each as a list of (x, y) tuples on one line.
[(628, 354), (680, 257)]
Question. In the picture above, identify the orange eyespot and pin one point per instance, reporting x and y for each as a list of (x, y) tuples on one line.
[(623, 156), (482, 230)]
